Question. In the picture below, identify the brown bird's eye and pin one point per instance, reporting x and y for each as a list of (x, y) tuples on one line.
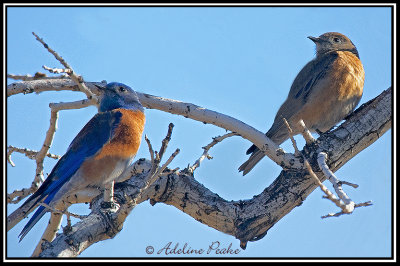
[(122, 89), (336, 39)]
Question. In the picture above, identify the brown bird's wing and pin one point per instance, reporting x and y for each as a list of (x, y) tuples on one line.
[(300, 90), (302, 86)]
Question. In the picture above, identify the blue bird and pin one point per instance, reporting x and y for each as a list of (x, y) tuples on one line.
[(100, 152)]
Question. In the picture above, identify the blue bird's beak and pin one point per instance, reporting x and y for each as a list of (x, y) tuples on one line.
[(100, 88)]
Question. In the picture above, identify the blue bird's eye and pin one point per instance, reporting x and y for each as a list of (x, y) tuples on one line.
[(122, 89)]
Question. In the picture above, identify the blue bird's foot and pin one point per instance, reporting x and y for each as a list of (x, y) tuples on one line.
[(108, 205)]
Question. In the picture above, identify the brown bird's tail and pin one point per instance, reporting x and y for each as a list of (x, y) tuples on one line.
[(255, 157), (276, 135)]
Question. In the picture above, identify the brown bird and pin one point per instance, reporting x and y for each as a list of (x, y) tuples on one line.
[(324, 92)]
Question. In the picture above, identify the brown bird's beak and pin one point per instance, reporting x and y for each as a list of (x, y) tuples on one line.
[(314, 39)]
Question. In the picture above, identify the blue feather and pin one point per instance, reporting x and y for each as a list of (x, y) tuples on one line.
[(36, 216), (93, 136)]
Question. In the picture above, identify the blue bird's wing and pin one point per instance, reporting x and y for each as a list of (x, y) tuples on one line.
[(93, 136)]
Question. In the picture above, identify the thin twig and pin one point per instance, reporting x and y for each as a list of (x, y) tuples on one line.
[(306, 133), (31, 154), (346, 208), (71, 105), (155, 171), (45, 147), (344, 202), (162, 168), (348, 183), (205, 154), (321, 159), (364, 204), (151, 151), (154, 174), (296, 150), (18, 195), (78, 79), (54, 210), (166, 140), (38, 75), (175, 171), (57, 70)]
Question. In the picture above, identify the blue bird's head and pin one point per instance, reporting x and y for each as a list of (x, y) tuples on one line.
[(117, 95)]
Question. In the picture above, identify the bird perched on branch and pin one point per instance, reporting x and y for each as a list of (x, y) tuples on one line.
[(324, 92), (100, 152)]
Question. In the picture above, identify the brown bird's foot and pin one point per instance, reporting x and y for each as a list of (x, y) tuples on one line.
[(329, 130)]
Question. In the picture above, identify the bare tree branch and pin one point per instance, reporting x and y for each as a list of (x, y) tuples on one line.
[(247, 220), (250, 220), (42, 85), (188, 110)]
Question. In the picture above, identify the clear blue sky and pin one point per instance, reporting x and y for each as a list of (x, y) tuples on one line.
[(237, 61)]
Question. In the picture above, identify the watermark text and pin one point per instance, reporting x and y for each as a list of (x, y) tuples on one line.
[(214, 248)]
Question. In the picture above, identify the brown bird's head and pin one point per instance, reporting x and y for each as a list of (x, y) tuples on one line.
[(333, 41)]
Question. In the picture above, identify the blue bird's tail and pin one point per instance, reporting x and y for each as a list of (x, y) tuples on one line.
[(36, 217)]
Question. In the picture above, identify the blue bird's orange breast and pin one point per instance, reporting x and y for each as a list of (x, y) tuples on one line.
[(116, 154), (127, 135)]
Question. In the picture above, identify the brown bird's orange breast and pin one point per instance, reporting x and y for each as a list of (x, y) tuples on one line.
[(335, 96), (350, 75)]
